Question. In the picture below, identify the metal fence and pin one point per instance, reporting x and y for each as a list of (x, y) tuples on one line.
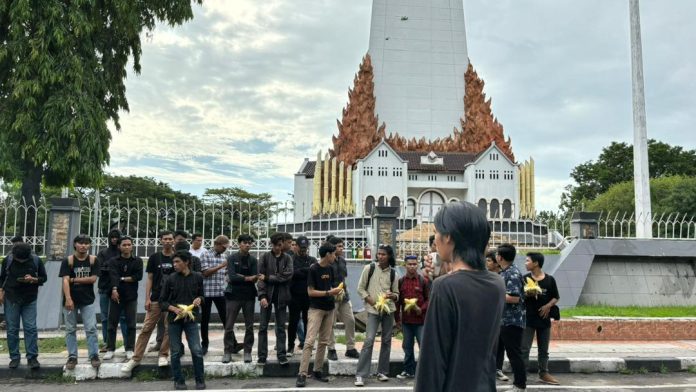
[(143, 220)]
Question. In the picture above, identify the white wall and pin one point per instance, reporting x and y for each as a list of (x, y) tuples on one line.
[(303, 190), (500, 188), (376, 185)]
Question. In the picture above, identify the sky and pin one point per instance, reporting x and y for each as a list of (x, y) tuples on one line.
[(247, 89)]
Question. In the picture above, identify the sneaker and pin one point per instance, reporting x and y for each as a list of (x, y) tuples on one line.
[(200, 385), (95, 362), (301, 381), (14, 364), (332, 355), (180, 386), (382, 377), (261, 361), (290, 352), (152, 347), (518, 389), (33, 363), (352, 353), (70, 365), (226, 358), (247, 357), (163, 361), (359, 382), (109, 355), (501, 376), (546, 378), (404, 375), (102, 349), (319, 376), (129, 355), (129, 366), (283, 361), (237, 348)]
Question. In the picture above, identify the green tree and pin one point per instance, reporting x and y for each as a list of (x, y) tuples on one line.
[(615, 165), (62, 71), (251, 212)]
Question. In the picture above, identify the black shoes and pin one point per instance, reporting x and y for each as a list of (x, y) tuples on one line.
[(332, 355), (72, 362), (261, 361), (180, 386), (237, 348), (283, 361), (14, 364), (200, 385), (33, 363), (320, 377), (301, 381), (352, 353), (204, 351)]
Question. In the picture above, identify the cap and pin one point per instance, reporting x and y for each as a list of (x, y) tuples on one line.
[(302, 242), (21, 251)]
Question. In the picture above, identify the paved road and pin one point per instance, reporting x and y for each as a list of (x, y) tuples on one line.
[(672, 382)]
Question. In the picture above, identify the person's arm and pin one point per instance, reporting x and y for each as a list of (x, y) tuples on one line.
[(65, 275), (426, 295), (284, 275), (164, 299), (553, 293), (232, 276), (362, 286), (42, 276), (312, 292), (261, 284), (399, 304), (207, 267), (148, 291), (395, 287), (513, 289), (438, 330), (200, 296), (137, 271)]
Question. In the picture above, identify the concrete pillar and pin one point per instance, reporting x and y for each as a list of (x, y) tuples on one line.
[(63, 226)]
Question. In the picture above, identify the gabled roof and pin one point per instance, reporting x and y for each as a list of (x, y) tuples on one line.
[(452, 161), (380, 144), (493, 146)]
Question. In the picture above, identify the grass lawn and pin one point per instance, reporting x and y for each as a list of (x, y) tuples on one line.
[(49, 345), (630, 311), (359, 337)]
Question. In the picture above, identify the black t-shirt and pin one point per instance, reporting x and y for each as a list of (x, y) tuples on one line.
[(81, 294), (461, 332), (321, 279), (549, 290), (159, 266)]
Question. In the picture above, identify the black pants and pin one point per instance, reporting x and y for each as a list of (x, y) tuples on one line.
[(297, 306), (511, 338), (130, 308), (233, 308), (221, 307), (500, 354)]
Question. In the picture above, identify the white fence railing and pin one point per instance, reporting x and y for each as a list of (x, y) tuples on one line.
[(143, 220)]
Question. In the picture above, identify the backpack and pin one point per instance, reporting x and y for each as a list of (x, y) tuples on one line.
[(71, 260), (9, 259), (392, 275)]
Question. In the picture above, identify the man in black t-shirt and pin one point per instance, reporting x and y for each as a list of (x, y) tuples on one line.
[(299, 303), (539, 307), (159, 266), (320, 282), (79, 273)]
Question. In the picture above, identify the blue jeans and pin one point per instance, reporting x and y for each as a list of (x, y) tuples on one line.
[(27, 313), (411, 332), (89, 321), (104, 311), (301, 332), (194, 343)]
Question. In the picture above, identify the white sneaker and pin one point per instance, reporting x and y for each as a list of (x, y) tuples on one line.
[(518, 389), (501, 376), (382, 377), (163, 361), (129, 366), (359, 381), (129, 355), (108, 355)]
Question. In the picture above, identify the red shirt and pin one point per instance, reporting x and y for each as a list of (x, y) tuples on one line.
[(412, 288)]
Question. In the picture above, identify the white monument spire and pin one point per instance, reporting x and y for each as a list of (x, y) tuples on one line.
[(641, 174), (419, 55)]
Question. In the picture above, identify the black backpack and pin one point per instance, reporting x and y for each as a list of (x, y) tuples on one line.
[(392, 275)]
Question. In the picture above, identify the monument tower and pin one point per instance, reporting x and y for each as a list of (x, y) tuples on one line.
[(419, 55)]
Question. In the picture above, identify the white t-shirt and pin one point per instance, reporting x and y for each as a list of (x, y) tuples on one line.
[(197, 252)]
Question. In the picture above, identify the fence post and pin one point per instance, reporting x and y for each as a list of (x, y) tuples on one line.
[(63, 226)]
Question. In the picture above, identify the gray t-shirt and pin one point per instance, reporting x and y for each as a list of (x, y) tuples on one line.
[(461, 332)]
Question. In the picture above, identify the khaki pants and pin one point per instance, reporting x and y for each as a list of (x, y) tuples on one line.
[(344, 314), (320, 324), (149, 325)]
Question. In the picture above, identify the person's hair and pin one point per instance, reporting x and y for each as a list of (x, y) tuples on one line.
[(277, 238), (390, 254), (537, 258), (431, 240), (329, 237), (221, 240), (410, 258), (115, 233), (18, 238), (326, 247), (245, 238), (82, 239), (286, 236), (195, 236), (124, 238), (165, 232), (507, 252), (468, 228), (491, 255), (335, 240), (182, 233), (185, 256), (182, 245)]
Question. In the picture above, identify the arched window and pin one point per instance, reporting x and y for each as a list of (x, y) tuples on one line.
[(495, 208), (369, 205), (483, 205), (507, 208), (395, 202), (410, 208), (430, 204), (454, 200), (382, 201)]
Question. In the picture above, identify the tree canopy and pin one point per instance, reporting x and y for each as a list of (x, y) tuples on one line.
[(615, 165), (62, 71)]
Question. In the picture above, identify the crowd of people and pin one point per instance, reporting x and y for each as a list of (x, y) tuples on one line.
[(466, 309)]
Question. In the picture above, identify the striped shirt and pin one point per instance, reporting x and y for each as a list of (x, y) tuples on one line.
[(213, 285)]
